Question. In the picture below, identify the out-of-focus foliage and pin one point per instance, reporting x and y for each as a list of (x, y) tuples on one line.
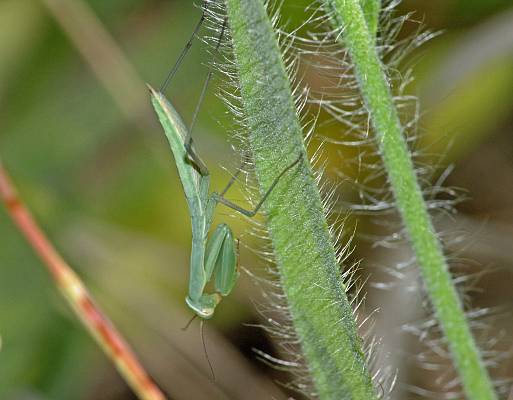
[(106, 191)]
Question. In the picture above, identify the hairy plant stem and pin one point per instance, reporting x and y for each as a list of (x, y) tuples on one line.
[(371, 10), (349, 17), (305, 256)]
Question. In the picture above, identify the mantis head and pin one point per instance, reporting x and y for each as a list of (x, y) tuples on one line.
[(204, 307)]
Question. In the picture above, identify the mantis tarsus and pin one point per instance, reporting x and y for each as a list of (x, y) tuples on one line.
[(215, 258)]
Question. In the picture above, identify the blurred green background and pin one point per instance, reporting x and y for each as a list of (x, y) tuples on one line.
[(79, 138)]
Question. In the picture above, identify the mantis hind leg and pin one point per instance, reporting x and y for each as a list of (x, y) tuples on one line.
[(188, 140), (205, 85), (185, 50), (194, 158)]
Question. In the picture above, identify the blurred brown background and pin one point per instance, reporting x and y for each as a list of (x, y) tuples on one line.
[(79, 138)]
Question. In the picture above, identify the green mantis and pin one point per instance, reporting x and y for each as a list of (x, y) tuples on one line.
[(213, 259)]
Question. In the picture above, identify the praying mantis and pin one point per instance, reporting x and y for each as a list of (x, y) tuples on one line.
[(213, 259)]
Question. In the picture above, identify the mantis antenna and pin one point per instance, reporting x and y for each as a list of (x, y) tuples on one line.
[(205, 350), (189, 322)]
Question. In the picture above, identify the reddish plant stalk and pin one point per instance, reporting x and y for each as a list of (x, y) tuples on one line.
[(72, 288)]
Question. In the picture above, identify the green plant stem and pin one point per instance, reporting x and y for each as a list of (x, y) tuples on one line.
[(371, 9), (396, 158), (310, 275)]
